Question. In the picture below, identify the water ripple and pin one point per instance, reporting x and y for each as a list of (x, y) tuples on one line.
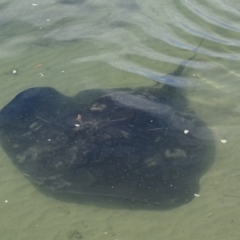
[(78, 44)]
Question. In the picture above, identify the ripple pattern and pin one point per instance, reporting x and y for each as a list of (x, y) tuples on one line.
[(79, 44)]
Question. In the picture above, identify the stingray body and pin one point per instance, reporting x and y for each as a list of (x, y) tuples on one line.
[(142, 145)]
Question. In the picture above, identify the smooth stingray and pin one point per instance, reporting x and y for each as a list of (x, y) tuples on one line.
[(143, 144)]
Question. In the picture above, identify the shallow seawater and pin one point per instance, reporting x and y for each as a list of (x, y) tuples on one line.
[(74, 45)]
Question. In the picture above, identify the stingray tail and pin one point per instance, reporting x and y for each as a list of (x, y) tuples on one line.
[(170, 92), (180, 69)]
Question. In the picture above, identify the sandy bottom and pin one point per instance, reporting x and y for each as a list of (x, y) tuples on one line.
[(27, 213)]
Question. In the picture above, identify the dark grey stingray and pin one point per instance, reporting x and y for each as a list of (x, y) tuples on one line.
[(127, 144), (143, 144)]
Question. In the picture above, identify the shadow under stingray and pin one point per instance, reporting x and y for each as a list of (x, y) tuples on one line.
[(143, 144)]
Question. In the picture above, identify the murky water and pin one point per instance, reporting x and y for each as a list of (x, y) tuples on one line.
[(74, 45)]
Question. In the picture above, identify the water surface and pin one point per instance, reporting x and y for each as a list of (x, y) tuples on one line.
[(73, 45)]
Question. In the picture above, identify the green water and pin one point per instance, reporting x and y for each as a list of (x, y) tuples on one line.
[(77, 45)]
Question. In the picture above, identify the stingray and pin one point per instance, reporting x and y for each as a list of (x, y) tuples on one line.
[(143, 144), (138, 145)]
